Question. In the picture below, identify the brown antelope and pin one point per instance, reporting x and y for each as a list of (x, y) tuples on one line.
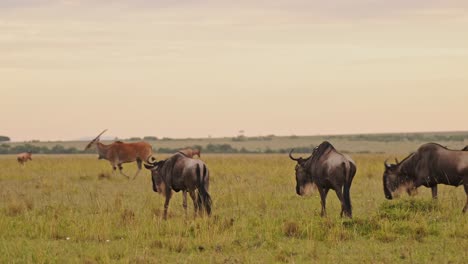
[(189, 152), (24, 157), (120, 152)]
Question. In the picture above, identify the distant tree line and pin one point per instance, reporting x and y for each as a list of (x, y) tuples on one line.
[(241, 138), (210, 148), (419, 137), (57, 149), (4, 138)]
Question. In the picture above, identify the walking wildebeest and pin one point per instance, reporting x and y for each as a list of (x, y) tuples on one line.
[(180, 173), (327, 169), (189, 152), (24, 157), (430, 165), (119, 152)]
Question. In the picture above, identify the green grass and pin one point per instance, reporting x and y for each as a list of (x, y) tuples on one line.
[(72, 209)]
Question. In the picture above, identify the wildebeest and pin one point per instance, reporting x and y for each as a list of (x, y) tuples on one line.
[(120, 152), (189, 152), (24, 157), (430, 165), (465, 148), (327, 169), (180, 173)]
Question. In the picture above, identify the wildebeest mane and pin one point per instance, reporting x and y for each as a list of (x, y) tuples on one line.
[(182, 153), (322, 149), (168, 165)]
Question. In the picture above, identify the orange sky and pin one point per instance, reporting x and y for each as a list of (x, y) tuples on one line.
[(70, 69)]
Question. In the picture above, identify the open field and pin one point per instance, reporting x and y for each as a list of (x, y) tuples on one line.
[(71, 209)]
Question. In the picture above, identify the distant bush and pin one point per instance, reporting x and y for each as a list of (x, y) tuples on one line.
[(134, 139), (220, 148), (239, 138), (148, 138), (4, 138), (260, 138)]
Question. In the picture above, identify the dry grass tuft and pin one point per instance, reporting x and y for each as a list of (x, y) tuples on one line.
[(128, 216), (104, 176), (291, 229), (15, 208)]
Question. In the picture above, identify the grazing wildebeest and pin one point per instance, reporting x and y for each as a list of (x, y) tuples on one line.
[(119, 152), (430, 165), (189, 152), (180, 173), (327, 169), (24, 157)]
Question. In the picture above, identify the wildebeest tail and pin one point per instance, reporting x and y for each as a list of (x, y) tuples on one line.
[(349, 175), (204, 198)]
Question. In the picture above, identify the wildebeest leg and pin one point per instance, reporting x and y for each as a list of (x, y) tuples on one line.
[(195, 204), (434, 192), (339, 193), (323, 197), (121, 172), (466, 192), (166, 203), (184, 201)]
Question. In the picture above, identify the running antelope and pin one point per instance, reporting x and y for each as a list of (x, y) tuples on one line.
[(119, 152), (24, 157)]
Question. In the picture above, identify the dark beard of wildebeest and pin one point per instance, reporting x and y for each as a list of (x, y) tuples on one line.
[(327, 169), (430, 165), (181, 173), (119, 152)]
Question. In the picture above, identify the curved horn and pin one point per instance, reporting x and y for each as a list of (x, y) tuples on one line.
[(149, 166), (386, 164), (396, 160), (100, 134), (95, 139), (291, 157)]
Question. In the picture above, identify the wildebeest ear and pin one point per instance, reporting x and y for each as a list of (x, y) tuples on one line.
[(387, 166)]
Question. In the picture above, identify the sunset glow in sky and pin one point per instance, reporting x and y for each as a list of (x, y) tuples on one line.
[(70, 69)]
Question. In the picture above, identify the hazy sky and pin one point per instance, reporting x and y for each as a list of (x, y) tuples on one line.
[(70, 69)]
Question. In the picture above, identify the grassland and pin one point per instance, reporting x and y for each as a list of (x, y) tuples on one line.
[(70, 209)]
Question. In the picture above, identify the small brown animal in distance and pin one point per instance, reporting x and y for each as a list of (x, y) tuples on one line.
[(119, 152), (189, 152), (24, 157)]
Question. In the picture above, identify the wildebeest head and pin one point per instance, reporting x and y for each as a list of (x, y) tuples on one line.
[(304, 184), (94, 141), (394, 178), (156, 177)]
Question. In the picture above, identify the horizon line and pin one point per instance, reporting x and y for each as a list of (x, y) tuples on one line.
[(266, 135)]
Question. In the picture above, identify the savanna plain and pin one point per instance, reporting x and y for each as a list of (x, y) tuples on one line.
[(72, 209)]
